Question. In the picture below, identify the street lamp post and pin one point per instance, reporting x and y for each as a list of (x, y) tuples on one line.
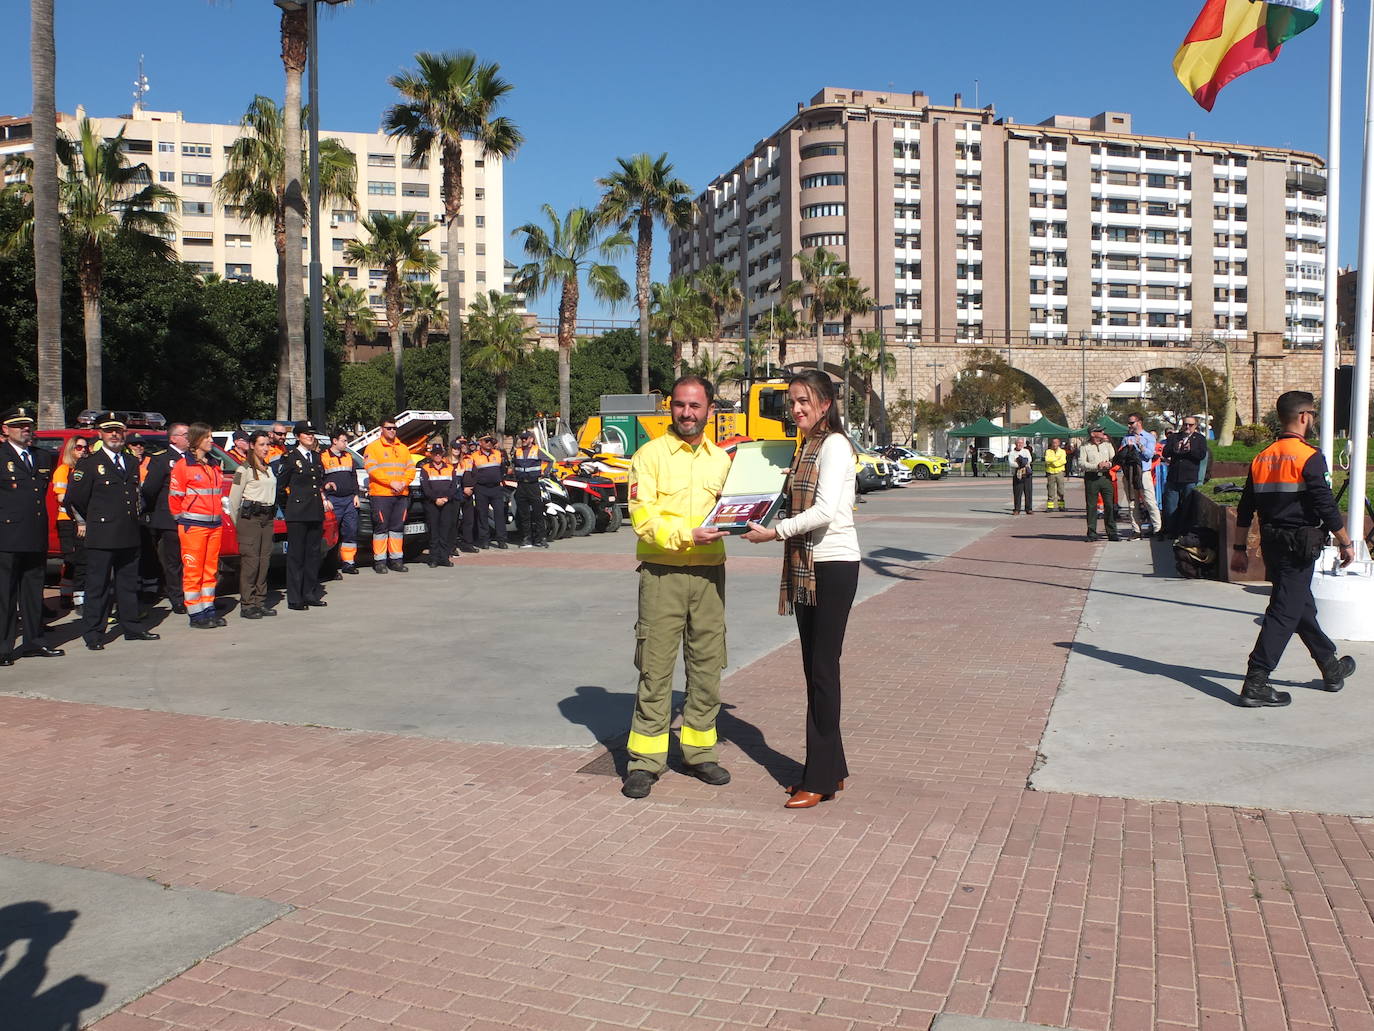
[(316, 270), (882, 367), (937, 366), (911, 382)]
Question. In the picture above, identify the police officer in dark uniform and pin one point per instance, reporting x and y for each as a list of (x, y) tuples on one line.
[(161, 524), (300, 495), (1290, 488), (103, 497), (25, 473)]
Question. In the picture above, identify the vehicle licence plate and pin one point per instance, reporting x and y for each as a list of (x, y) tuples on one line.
[(416, 528)]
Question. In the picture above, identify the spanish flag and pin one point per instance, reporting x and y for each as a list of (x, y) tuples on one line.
[(1231, 37)]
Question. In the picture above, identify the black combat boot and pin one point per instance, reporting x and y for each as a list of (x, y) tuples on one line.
[(1257, 692), (1334, 672)]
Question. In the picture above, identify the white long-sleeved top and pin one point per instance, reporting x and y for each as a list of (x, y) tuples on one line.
[(832, 515)]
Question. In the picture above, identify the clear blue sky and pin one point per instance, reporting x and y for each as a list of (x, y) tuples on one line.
[(599, 80)]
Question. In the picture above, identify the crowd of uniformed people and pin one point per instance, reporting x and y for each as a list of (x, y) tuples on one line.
[(136, 521)]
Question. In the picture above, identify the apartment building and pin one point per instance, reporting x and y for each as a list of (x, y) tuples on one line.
[(967, 226), (190, 157)]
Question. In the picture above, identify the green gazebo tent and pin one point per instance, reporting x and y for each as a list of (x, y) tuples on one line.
[(984, 427), (1042, 427)]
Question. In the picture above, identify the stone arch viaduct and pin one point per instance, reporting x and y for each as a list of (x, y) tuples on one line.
[(1079, 370)]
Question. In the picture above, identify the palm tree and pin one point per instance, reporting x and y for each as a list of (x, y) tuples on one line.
[(497, 326), (395, 244), (347, 309), (871, 360), (679, 313), (102, 199), (781, 324), (47, 235), (449, 99), (719, 287), (819, 272), (560, 253), (642, 191), (745, 364), (255, 182), (710, 367), (851, 298), (425, 310)]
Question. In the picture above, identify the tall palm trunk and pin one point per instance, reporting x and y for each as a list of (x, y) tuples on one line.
[(452, 159), (567, 325), (89, 268), (47, 238), (677, 359), (350, 332), (502, 384), (294, 38), (782, 351), (643, 256), (283, 340), (421, 333), (393, 318), (820, 346)]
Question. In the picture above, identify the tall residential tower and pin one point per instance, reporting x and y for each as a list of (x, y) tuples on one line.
[(979, 228)]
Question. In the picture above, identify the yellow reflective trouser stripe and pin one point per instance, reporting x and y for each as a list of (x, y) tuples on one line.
[(698, 738), (646, 744)]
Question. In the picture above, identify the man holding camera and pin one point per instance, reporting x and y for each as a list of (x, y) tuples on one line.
[(1289, 486), (1134, 459)]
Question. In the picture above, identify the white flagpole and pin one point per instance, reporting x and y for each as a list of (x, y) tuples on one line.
[(1364, 323), (1333, 234)]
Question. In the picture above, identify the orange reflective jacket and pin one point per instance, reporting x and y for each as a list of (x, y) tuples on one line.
[(387, 464), (195, 492), (60, 477)]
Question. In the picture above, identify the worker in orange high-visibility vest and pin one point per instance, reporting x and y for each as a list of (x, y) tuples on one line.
[(390, 468), (341, 488), (485, 469), (195, 496)]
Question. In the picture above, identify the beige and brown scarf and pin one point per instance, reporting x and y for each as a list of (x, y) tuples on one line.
[(798, 561)]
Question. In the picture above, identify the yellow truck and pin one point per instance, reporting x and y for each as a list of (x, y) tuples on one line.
[(626, 422)]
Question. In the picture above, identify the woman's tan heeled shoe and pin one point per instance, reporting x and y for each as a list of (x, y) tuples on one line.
[(792, 789), (805, 800)]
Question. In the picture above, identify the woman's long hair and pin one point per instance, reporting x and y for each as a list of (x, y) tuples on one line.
[(254, 462), (822, 388), (195, 433), (69, 450)]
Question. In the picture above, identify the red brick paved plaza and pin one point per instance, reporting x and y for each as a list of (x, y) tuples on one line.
[(451, 886)]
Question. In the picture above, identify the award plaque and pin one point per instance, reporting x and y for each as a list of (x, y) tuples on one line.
[(753, 489)]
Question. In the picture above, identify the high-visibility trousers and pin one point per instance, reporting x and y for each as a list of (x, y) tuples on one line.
[(346, 511), (681, 608), (199, 566), (389, 527)]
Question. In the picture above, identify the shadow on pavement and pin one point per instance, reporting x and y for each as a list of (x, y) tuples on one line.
[(58, 1008), (935, 571), (1197, 679), (606, 715), (890, 562)]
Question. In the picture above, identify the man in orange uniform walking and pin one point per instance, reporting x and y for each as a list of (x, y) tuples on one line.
[(390, 468), (195, 497)]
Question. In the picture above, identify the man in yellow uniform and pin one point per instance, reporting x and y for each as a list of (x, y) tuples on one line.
[(675, 481), (1056, 459)]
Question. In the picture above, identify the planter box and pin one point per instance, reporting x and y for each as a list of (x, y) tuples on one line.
[(1222, 519)]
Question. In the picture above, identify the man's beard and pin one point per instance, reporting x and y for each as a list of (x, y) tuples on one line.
[(687, 427)]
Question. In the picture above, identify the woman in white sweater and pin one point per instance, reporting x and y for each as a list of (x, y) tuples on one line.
[(820, 573)]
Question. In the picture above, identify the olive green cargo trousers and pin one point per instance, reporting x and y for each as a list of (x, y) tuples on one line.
[(680, 608)]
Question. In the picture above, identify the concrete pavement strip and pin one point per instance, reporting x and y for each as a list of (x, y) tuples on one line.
[(1148, 706), (554, 633), (78, 944)]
